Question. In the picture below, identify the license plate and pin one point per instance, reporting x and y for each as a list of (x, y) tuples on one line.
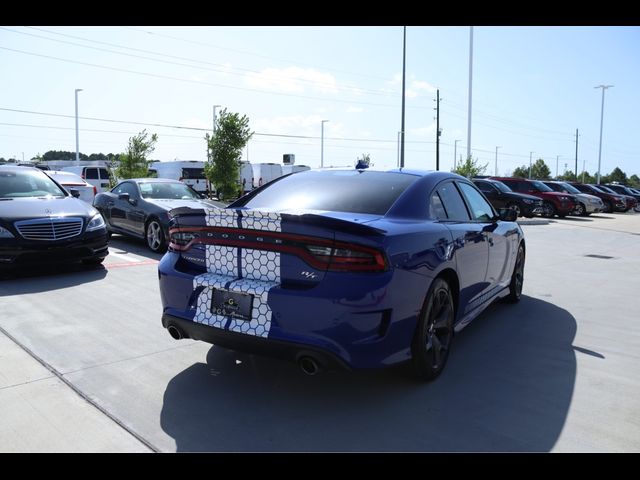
[(233, 304)]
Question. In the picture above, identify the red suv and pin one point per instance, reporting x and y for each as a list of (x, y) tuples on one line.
[(553, 203)]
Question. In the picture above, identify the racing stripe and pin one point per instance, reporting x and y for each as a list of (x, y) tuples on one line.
[(240, 270)]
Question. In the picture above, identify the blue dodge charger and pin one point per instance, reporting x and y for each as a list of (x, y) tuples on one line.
[(342, 268)]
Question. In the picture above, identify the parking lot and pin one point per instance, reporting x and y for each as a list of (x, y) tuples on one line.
[(85, 365)]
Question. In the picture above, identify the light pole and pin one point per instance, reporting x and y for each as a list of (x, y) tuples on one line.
[(558, 158), (398, 150), (470, 91), (455, 148), (77, 132), (603, 87), (322, 143), (495, 172), (530, 156)]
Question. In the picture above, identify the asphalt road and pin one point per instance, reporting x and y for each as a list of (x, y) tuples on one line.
[(85, 365)]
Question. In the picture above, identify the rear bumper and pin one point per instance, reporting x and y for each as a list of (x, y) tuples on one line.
[(16, 252), (250, 344)]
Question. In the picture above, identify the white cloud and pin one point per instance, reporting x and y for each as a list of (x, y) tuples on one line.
[(413, 87), (292, 80)]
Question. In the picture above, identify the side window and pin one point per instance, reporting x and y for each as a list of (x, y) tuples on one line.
[(104, 174), (481, 211), (436, 210), (452, 202), (127, 187), (91, 173), (485, 187)]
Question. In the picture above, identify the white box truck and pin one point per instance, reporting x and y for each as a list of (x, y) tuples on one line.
[(190, 172), (265, 172)]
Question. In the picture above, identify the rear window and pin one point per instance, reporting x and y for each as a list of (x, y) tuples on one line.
[(336, 191), (193, 173), (91, 173)]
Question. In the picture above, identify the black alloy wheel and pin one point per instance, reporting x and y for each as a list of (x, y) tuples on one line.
[(432, 340), (517, 278)]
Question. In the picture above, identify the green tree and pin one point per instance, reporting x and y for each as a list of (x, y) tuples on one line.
[(586, 177), (225, 152), (568, 175), (634, 181), (618, 175), (522, 172), (540, 170), (470, 168), (134, 163)]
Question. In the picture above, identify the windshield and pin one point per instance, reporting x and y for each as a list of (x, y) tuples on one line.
[(570, 188), (607, 190), (28, 183), (167, 190), (541, 187), (337, 191), (501, 186)]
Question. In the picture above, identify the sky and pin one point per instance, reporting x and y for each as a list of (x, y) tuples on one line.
[(532, 88)]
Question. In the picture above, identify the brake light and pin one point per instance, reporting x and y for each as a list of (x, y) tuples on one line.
[(95, 190), (319, 253)]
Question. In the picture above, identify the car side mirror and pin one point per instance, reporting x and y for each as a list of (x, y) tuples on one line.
[(74, 193), (123, 196), (508, 214)]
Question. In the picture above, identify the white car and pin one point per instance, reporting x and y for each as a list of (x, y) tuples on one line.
[(71, 181)]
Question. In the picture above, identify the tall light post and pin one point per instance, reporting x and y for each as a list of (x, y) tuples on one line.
[(530, 157), (558, 158), (455, 148), (603, 87), (322, 143), (470, 91), (495, 172), (77, 131)]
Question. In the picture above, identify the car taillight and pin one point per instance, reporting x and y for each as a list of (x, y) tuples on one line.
[(95, 190), (320, 253)]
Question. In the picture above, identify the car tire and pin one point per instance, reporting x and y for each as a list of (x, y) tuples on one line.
[(516, 207), (580, 210), (548, 210), (154, 236), (608, 207), (92, 261), (517, 278), (432, 339)]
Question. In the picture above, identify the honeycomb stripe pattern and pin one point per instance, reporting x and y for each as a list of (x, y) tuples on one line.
[(260, 273)]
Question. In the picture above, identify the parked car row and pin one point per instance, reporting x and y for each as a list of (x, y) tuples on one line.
[(548, 198)]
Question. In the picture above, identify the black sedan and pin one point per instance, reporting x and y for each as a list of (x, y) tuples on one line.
[(501, 196), (139, 207), (41, 222)]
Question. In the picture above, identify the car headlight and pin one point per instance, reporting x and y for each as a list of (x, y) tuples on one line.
[(4, 233), (96, 223), (527, 201)]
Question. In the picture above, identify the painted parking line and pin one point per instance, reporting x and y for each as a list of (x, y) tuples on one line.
[(122, 256), (137, 263)]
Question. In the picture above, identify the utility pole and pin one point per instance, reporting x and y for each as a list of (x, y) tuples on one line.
[(530, 156), (583, 165), (557, 158), (495, 172), (214, 118), (404, 57), (398, 159), (470, 91), (455, 147), (603, 87), (576, 154), (438, 130)]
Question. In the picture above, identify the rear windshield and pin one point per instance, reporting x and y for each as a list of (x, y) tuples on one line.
[(336, 191), (193, 173), (501, 186)]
